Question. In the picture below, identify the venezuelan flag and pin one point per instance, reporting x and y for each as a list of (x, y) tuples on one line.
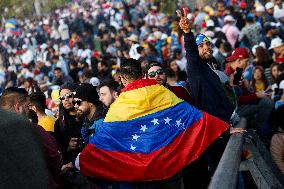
[(148, 134)]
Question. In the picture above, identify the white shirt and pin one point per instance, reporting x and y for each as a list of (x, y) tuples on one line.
[(63, 31), (181, 63), (133, 52), (277, 10), (27, 57)]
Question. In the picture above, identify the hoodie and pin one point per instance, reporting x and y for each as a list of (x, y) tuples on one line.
[(205, 85)]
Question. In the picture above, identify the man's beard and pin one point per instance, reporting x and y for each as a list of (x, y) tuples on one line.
[(70, 109), (81, 115)]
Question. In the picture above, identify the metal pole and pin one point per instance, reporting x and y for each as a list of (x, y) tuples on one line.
[(226, 174)]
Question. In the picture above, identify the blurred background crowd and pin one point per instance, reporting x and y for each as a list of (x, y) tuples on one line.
[(86, 41)]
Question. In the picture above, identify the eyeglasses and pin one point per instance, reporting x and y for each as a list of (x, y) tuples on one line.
[(70, 95), (154, 73), (77, 102)]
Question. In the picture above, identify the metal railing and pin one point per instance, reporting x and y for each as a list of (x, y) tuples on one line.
[(226, 174)]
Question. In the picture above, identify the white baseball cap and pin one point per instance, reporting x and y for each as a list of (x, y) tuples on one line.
[(260, 8), (229, 18), (95, 81), (210, 23), (24, 46), (269, 5), (43, 46), (276, 42)]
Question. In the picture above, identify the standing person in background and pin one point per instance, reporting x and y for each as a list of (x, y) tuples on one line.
[(269, 7), (230, 30), (247, 35)]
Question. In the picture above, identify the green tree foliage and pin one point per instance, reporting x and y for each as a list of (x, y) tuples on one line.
[(168, 7), (22, 8)]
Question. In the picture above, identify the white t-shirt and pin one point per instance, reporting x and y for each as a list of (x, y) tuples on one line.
[(181, 63), (133, 52), (27, 57), (63, 31)]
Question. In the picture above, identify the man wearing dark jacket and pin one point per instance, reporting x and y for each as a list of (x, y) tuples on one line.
[(89, 109), (17, 100), (205, 85), (209, 95)]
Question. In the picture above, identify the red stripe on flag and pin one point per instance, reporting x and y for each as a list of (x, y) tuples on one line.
[(161, 164), (139, 84)]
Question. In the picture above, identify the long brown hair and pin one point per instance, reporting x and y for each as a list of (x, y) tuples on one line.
[(263, 57), (263, 78)]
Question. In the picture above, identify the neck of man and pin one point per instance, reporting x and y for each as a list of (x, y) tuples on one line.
[(92, 112), (40, 116), (73, 112)]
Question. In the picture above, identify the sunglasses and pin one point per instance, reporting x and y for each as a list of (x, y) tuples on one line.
[(70, 95), (77, 102), (154, 73)]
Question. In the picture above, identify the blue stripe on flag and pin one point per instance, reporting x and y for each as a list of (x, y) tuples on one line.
[(148, 133)]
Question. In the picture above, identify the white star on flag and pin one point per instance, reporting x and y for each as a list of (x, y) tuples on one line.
[(135, 137), (132, 147), (155, 121), (167, 120), (143, 128), (178, 123)]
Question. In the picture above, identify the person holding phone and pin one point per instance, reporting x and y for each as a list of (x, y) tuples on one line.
[(257, 106)]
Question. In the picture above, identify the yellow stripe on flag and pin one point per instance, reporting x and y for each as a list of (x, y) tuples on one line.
[(141, 102), (10, 25)]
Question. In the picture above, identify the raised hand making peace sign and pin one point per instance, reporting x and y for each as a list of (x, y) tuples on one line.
[(184, 22)]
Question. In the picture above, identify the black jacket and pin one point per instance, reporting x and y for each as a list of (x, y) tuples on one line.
[(65, 128), (205, 85)]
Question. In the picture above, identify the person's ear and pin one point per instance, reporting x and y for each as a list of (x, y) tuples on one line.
[(115, 94), (33, 108), (17, 107)]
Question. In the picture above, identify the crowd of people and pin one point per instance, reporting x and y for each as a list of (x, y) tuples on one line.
[(65, 69)]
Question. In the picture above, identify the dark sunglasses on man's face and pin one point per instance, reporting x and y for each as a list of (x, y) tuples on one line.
[(154, 73), (70, 95), (77, 102)]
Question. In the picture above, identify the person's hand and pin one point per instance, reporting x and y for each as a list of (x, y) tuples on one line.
[(72, 144), (184, 22), (66, 167), (260, 94), (237, 130)]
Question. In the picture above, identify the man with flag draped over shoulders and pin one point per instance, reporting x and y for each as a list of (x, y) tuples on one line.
[(148, 133)]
